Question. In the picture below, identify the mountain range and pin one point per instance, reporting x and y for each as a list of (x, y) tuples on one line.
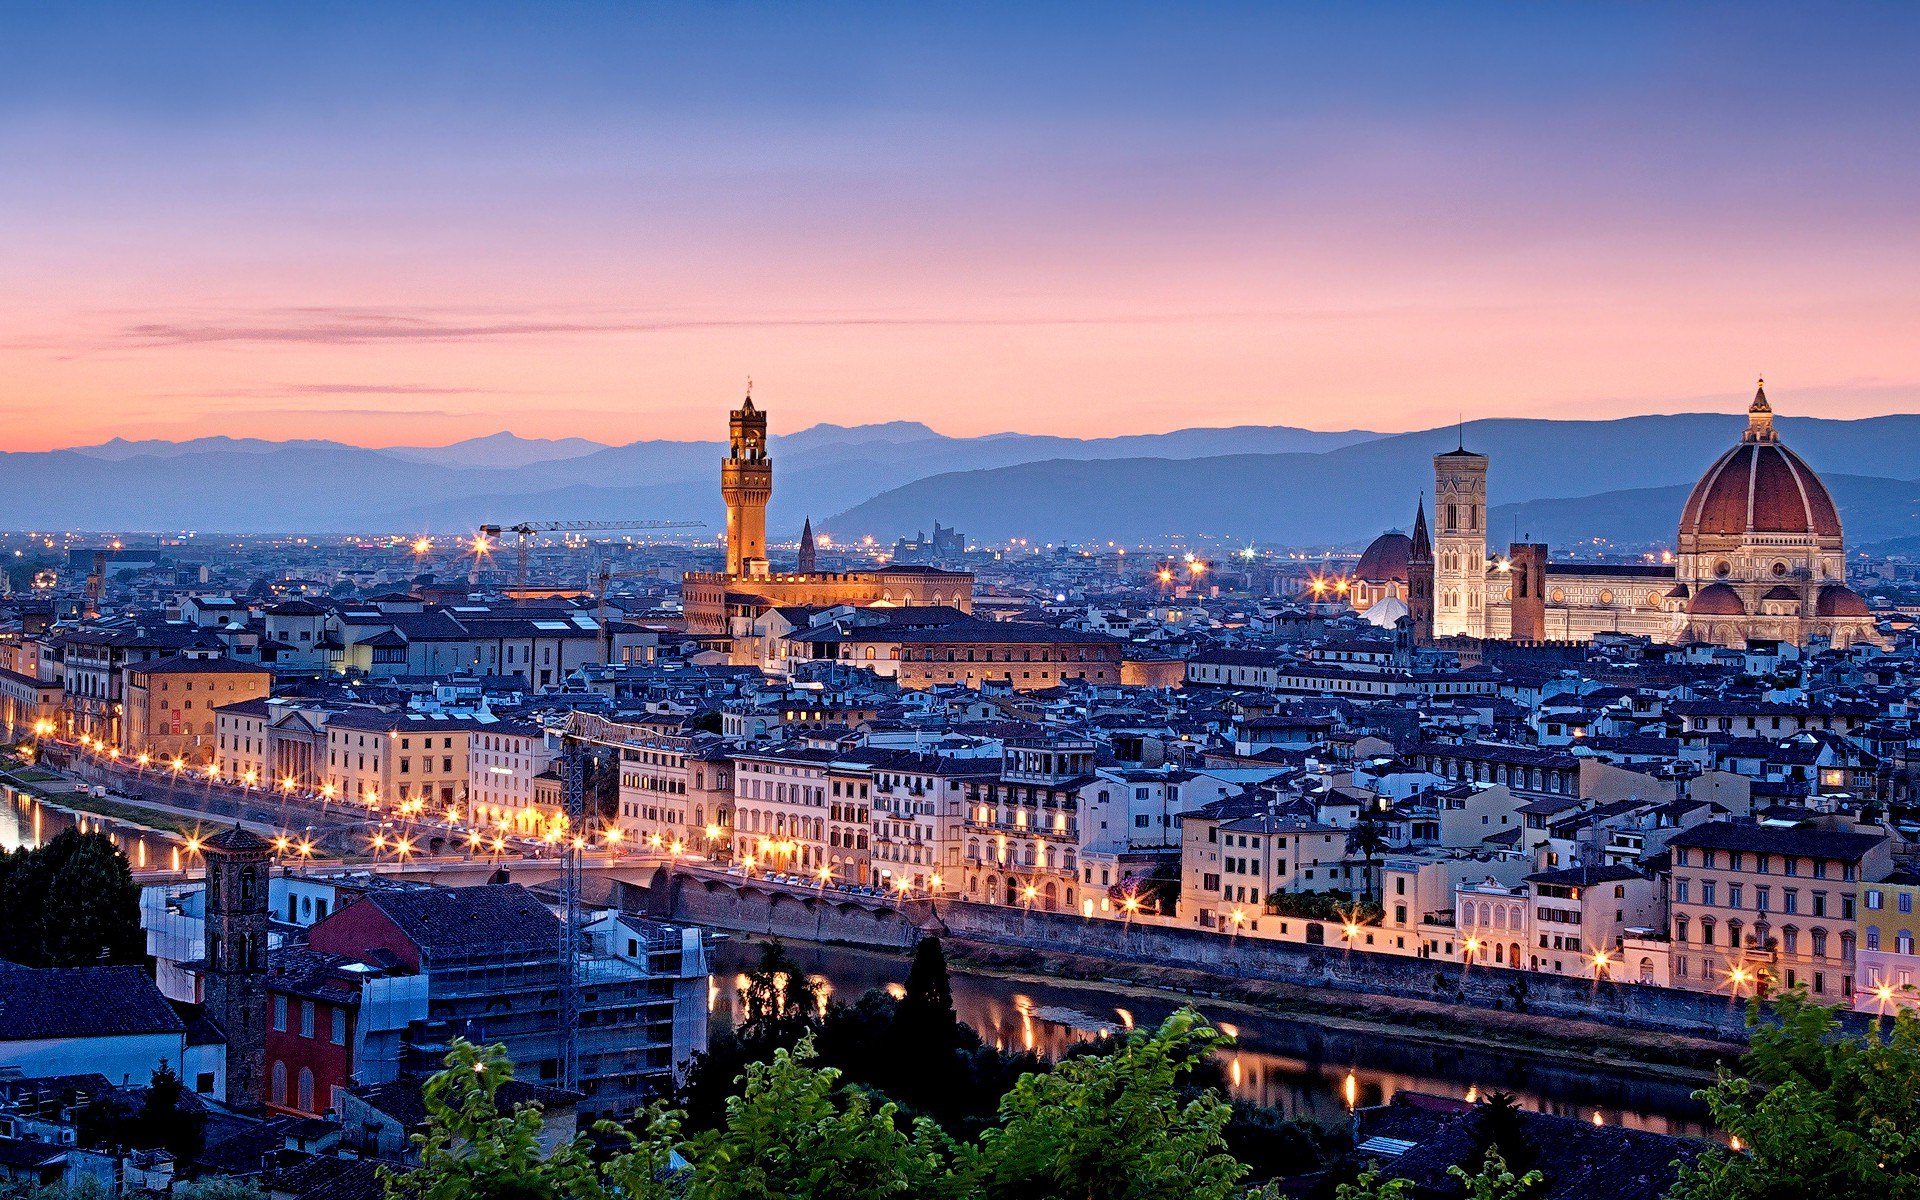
[(1562, 481)]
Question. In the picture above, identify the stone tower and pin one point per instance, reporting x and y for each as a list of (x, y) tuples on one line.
[(746, 482), (1460, 544), (1527, 577), (805, 562), (1420, 578), (238, 866)]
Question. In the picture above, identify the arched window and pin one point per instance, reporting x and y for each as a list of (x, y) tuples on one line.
[(1790, 939), (1819, 943), (306, 1089), (280, 1083)]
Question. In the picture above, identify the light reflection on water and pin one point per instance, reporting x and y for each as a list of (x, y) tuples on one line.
[(1300, 1068), (25, 821)]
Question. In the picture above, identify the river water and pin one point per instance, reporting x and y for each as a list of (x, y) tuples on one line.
[(25, 821), (1296, 1066)]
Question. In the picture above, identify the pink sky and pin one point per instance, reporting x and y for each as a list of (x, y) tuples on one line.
[(271, 262)]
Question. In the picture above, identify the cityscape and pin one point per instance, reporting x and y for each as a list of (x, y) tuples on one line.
[(1479, 760)]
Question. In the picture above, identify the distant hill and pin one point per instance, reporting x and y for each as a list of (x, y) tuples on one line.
[(1275, 485), (501, 449), (1350, 493), (251, 485)]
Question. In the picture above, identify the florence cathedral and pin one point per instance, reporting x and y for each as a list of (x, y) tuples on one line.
[(1759, 556)]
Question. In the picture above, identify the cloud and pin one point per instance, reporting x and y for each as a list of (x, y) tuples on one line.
[(350, 327)]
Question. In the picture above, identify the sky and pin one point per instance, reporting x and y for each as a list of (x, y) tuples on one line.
[(411, 224)]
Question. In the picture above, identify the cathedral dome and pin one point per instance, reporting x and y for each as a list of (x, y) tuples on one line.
[(1759, 486), (1386, 559), (1717, 600), (1837, 601)]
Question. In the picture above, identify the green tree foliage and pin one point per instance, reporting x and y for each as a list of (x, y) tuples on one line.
[(1493, 1180), (793, 1134), (1816, 1113), (1325, 906), (1109, 1126), (70, 903), (1112, 1126), (470, 1150)]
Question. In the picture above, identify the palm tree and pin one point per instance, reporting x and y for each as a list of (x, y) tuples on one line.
[(1368, 839)]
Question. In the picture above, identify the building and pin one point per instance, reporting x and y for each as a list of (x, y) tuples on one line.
[(1025, 655), (1763, 906), (109, 1021), (238, 869), (728, 602), (488, 962), (1759, 557), (1022, 826), (676, 790), (1888, 972), (170, 705), (503, 760), (399, 758)]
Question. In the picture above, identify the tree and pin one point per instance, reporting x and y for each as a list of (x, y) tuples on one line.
[(470, 1150), (1502, 1131), (70, 903), (1112, 1125), (1814, 1113), (1368, 839), (924, 1019), (779, 1003), (1495, 1180), (793, 1134)]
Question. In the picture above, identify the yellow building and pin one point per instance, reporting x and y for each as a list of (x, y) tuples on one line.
[(169, 705), (1888, 973)]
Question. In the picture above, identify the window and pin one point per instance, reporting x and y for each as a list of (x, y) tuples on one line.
[(280, 1024), (306, 1089), (339, 1026), (280, 1083), (306, 1018), (1873, 899)]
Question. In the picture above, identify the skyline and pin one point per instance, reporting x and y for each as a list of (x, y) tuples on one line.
[(409, 229)]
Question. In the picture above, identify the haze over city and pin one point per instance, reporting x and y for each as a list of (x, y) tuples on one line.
[(412, 224)]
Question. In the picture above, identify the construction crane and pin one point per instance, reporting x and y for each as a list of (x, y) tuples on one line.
[(525, 530)]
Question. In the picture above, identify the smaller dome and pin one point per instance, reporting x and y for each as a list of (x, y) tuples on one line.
[(1781, 593), (1717, 600), (1386, 613), (1837, 601), (1386, 559)]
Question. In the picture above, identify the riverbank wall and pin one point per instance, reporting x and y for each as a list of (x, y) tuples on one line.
[(1475, 987)]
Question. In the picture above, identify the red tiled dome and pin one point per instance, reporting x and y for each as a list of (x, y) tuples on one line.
[(1837, 601), (1717, 600), (1759, 486), (1386, 558)]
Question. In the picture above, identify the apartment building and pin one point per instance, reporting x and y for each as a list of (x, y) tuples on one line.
[(1764, 906)]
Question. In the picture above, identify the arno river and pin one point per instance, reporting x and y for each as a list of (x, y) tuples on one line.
[(1296, 1066)]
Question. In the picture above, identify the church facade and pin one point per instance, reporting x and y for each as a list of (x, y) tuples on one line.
[(1759, 555), (728, 602)]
